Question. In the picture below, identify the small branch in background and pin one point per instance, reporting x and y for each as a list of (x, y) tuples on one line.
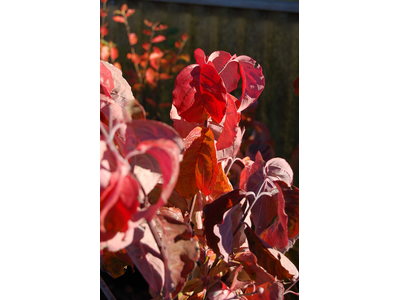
[(104, 288)]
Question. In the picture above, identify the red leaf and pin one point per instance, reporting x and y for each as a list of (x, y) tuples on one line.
[(106, 79), (199, 93), (178, 44), (200, 57), (103, 13), (185, 36), (158, 39), (161, 27), (253, 81), (118, 197), (150, 76), (150, 160), (114, 53), (124, 7), (103, 31), (199, 168), (146, 45), (119, 19), (146, 32), (228, 134), (129, 12), (147, 23), (133, 38), (270, 259)]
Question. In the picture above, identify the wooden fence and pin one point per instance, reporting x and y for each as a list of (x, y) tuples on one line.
[(269, 37)]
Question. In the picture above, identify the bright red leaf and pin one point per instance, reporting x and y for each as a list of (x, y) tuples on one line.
[(119, 19), (133, 39), (158, 39), (199, 93)]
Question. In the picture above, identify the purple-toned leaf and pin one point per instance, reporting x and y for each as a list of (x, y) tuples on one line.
[(253, 81), (278, 169), (270, 259), (224, 231), (144, 130), (214, 213), (181, 251), (147, 258), (161, 156), (276, 235)]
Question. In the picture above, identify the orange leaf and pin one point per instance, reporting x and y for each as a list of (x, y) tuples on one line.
[(199, 162), (119, 19), (133, 38), (129, 12), (158, 39), (161, 27), (178, 44), (147, 23), (146, 31), (165, 76), (118, 65), (114, 53), (150, 76), (103, 13), (146, 45), (185, 36), (124, 7), (223, 184)]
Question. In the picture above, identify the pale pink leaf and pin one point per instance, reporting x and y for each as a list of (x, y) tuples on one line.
[(146, 256), (278, 169)]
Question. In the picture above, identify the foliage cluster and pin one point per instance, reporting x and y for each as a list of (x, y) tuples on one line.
[(181, 204)]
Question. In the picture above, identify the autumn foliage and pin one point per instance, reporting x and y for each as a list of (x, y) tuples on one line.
[(167, 205)]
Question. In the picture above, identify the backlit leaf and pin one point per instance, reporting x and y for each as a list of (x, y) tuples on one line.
[(199, 93), (222, 185), (119, 19), (158, 39)]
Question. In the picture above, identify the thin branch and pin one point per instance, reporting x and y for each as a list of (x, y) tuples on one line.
[(287, 290), (104, 288)]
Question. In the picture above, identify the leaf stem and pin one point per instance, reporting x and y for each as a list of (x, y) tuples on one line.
[(104, 288), (287, 290)]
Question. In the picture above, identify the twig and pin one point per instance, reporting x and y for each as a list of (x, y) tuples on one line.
[(104, 288), (287, 290)]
